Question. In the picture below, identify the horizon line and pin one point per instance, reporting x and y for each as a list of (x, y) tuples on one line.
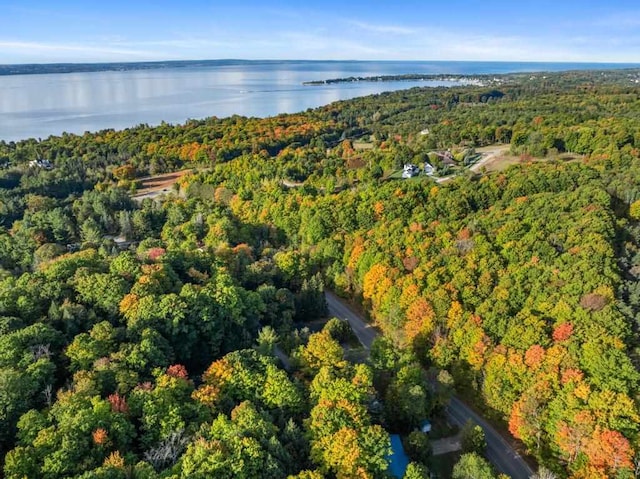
[(133, 62)]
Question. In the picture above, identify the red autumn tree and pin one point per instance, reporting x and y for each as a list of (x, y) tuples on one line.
[(118, 403), (177, 371), (562, 332), (156, 253)]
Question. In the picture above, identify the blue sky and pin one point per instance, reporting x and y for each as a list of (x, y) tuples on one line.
[(135, 30)]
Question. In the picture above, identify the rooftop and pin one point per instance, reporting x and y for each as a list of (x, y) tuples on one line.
[(398, 460)]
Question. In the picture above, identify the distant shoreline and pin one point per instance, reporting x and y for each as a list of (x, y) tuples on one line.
[(466, 79), (449, 68), (53, 68)]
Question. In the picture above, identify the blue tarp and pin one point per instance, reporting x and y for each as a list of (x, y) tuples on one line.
[(398, 460)]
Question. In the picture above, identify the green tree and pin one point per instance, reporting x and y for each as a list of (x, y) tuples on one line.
[(473, 438), (416, 470), (418, 447), (90, 231), (245, 446), (267, 340), (472, 466), (407, 401)]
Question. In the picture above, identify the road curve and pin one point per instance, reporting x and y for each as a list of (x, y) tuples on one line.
[(499, 451), (339, 309)]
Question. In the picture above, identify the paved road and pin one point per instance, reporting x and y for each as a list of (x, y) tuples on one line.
[(499, 452), (338, 308), (284, 359)]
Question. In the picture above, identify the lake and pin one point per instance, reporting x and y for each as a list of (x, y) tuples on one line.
[(49, 104)]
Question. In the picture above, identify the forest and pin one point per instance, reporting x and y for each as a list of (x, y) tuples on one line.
[(139, 338)]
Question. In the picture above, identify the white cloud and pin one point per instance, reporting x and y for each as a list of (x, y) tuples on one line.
[(334, 42), (383, 29), (59, 51)]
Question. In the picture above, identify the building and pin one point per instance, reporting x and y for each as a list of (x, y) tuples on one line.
[(409, 171), (428, 169), (447, 159), (425, 426), (45, 164), (398, 460)]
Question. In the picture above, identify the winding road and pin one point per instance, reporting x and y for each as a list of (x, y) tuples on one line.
[(499, 451)]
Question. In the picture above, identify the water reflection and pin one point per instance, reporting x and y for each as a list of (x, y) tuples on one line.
[(41, 105)]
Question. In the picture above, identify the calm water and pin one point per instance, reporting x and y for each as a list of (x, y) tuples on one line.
[(43, 105)]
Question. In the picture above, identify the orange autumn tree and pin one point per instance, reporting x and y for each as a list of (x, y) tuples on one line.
[(100, 436), (420, 323), (572, 436), (534, 356), (376, 283), (609, 451), (529, 414), (215, 378)]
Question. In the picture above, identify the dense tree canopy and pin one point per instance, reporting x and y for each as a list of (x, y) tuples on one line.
[(126, 326)]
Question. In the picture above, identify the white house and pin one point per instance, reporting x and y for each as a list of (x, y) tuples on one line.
[(428, 169), (409, 171), (46, 164)]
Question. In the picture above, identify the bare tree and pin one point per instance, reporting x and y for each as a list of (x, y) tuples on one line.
[(48, 394), (166, 453), (544, 473), (41, 351)]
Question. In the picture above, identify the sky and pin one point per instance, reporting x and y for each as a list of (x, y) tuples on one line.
[(491, 30)]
